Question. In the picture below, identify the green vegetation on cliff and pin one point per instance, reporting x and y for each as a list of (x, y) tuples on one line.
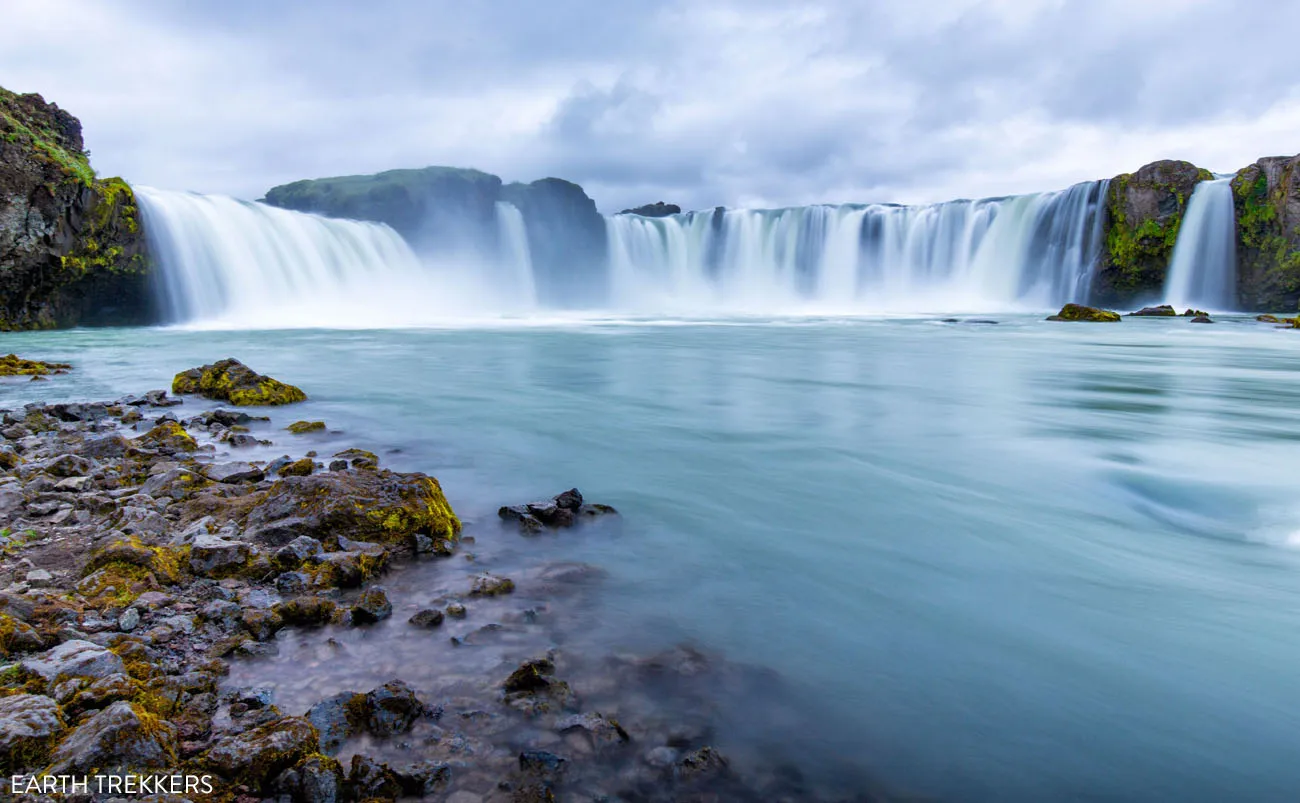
[(26, 126), (71, 247), (1143, 213), (1267, 199)]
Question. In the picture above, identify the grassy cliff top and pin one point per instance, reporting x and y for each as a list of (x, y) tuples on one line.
[(50, 132)]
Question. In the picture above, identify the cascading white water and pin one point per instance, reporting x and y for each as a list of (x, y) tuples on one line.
[(227, 262), (235, 263), (1031, 250), (1203, 268), (515, 256)]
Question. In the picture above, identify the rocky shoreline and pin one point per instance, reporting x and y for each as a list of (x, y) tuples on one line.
[(140, 560)]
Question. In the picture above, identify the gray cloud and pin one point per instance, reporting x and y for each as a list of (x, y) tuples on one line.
[(736, 102)]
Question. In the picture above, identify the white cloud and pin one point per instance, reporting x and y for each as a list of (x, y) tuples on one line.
[(755, 102)]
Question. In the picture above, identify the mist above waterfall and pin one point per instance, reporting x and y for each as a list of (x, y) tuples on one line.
[(232, 263)]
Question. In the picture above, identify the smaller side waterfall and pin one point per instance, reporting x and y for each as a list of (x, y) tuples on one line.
[(516, 260), (1203, 269)]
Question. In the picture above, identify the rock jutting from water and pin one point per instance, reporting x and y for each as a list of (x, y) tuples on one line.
[(230, 380), (1078, 312)]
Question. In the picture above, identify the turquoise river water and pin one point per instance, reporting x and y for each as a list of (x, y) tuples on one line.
[(1023, 561)]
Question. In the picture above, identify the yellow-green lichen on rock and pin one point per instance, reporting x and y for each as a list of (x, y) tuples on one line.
[(168, 435), (303, 427), (1079, 312), (379, 506), (13, 365), (232, 381)]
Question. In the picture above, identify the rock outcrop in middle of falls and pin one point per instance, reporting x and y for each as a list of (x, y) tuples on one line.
[(1144, 211)]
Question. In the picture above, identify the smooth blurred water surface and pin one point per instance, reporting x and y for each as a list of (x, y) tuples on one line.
[(1030, 561)]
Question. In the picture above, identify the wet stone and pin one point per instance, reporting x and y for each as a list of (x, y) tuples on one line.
[(331, 718), (429, 617), (373, 606), (392, 709), (75, 659)]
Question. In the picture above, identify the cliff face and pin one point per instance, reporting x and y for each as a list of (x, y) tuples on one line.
[(1143, 214), (71, 249), (1266, 195), (452, 211)]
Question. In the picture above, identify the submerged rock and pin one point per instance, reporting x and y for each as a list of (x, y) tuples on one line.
[(232, 381), (1202, 319), (1078, 312), (489, 585)]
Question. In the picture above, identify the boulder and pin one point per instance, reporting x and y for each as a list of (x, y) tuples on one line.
[(256, 756), (376, 506), (304, 611), (29, 726), (13, 365), (232, 381), (168, 437), (120, 737), (1078, 312), (1202, 319), (233, 473), (75, 658), (337, 719), (315, 779), (428, 618), (372, 606), (302, 467), (391, 709), (213, 556), (489, 585), (1162, 311)]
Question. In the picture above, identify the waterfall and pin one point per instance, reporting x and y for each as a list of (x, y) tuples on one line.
[(1203, 268), (234, 263), (1030, 250), (518, 279)]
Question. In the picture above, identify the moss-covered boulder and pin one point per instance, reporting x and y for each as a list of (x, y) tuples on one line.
[(30, 724), (71, 248), (1078, 312), (304, 427), (230, 380), (168, 437), (378, 506), (256, 756), (1266, 195), (122, 737), (1143, 213), (13, 365)]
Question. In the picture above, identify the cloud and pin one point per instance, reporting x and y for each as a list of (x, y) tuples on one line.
[(735, 102)]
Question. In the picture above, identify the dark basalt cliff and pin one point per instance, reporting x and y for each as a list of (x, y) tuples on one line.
[(1267, 201), (1143, 214), (71, 249), (452, 211)]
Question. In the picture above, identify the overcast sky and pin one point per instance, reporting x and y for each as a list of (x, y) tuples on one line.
[(738, 102)]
